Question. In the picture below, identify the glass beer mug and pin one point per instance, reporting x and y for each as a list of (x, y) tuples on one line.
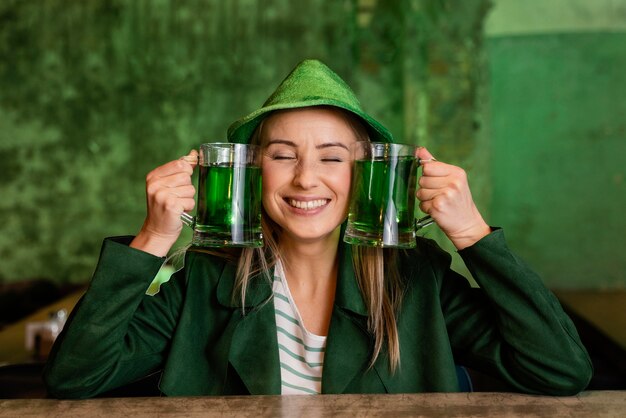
[(229, 197), (382, 197)]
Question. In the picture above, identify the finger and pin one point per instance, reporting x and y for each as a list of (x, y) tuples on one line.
[(431, 182), (435, 169), (172, 200), (187, 191), (174, 180), (423, 154), (438, 205), (172, 167), (191, 158), (177, 206), (188, 204), (439, 169), (426, 207), (424, 195), (155, 185)]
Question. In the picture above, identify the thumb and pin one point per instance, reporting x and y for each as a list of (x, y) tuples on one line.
[(191, 158), (423, 154)]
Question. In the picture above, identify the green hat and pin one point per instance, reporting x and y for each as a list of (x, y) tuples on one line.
[(311, 83)]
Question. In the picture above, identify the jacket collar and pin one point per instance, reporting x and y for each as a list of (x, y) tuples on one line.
[(254, 349), (348, 347), (348, 295), (259, 289)]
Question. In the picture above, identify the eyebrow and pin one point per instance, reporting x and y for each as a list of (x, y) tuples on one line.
[(332, 144), (293, 144)]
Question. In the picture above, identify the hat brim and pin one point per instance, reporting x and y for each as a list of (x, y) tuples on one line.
[(242, 130)]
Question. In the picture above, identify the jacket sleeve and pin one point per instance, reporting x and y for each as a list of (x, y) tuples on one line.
[(512, 326), (116, 334)]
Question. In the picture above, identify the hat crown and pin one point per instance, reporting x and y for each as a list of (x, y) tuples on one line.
[(312, 80), (310, 83)]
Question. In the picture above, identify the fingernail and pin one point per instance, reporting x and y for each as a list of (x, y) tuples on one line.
[(189, 159)]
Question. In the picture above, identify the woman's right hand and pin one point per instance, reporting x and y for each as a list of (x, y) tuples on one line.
[(169, 193)]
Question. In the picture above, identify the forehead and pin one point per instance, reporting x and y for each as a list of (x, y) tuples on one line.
[(313, 123)]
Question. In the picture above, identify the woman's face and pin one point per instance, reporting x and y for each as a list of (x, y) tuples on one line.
[(307, 171)]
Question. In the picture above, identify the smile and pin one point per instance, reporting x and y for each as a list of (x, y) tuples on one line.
[(308, 205)]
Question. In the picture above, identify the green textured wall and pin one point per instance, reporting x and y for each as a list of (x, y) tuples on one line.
[(558, 136), (93, 94)]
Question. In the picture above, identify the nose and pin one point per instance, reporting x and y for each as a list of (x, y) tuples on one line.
[(306, 175)]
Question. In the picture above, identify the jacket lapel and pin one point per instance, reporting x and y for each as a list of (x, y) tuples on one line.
[(348, 347), (254, 348)]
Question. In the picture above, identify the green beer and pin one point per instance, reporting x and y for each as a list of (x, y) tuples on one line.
[(229, 206), (382, 209)]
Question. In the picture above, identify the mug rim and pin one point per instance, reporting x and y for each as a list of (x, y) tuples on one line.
[(228, 144), (240, 154), (393, 149)]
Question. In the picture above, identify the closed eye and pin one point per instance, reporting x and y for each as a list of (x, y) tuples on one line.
[(282, 157)]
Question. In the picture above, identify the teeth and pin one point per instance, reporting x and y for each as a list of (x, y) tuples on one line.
[(311, 204)]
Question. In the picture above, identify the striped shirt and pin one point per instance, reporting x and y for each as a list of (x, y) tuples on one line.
[(301, 353)]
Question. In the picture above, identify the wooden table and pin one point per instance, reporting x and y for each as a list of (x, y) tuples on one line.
[(587, 404)]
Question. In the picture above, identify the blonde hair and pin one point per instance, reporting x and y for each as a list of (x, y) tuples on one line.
[(375, 269)]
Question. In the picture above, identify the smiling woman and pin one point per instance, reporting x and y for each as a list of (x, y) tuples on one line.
[(308, 313), (306, 177)]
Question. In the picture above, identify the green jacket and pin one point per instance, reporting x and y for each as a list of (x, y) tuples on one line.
[(195, 332)]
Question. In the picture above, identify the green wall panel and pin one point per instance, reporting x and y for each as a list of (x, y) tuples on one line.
[(558, 135)]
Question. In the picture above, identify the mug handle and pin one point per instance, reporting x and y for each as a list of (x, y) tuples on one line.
[(423, 222), (188, 219), (426, 220)]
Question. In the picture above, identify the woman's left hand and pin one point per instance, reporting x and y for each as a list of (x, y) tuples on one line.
[(445, 195)]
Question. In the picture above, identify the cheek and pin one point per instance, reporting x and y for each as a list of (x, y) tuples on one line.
[(269, 177), (272, 180), (268, 188), (342, 179)]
